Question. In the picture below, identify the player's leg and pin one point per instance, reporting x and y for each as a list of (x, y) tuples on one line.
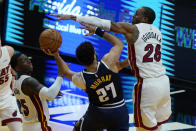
[(11, 118), (141, 129), (164, 106), (84, 125), (15, 126), (145, 97), (117, 119), (159, 128), (10, 115), (90, 121)]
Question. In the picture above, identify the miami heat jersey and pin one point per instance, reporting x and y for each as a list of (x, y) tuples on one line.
[(103, 87), (145, 53), (5, 74), (33, 108)]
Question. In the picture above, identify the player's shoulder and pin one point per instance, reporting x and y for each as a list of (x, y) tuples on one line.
[(78, 80), (29, 81), (129, 26), (10, 50), (77, 75)]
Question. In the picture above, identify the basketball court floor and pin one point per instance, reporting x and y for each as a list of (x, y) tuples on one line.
[(63, 117)]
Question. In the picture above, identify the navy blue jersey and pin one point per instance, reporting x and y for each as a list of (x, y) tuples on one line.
[(103, 87)]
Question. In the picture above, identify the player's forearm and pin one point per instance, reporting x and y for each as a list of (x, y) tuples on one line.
[(51, 92), (102, 23), (108, 25), (63, 67), (123, 64), (113, 40)]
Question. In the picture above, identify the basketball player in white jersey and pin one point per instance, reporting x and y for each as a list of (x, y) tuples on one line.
[(152, 103), (9, 113), (32, 95)]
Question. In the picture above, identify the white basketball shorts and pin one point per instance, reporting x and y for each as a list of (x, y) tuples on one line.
[(152, 102), (9, 110)]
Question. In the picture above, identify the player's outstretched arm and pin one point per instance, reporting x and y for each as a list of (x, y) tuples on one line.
[(31, 86), (119, 27), (113, 56), (63, 67)]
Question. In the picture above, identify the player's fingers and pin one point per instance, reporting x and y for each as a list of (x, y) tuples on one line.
[(44, 51), (60, 94), (58, 97), (49, 52), (89, 34), (81, 27), (55, 15), (82, 23), (86, 34), (59, 19)]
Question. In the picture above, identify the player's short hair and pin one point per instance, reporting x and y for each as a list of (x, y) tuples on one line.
[(85, 53), (14, 60), (150, 14)]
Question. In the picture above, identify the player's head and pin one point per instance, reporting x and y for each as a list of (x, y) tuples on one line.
[(21, 64), (144, 15), (86, 54)]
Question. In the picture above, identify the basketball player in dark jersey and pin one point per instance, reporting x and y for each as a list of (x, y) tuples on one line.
[(101, 81)]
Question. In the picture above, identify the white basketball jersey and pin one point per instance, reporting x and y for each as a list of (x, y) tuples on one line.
[(145, 53), (33, 108), (5, 74)]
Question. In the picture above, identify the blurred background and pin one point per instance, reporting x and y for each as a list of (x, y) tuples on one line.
[(22, 21)]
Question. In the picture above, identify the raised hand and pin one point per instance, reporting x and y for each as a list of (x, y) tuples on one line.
[(90, 28), (48, 52), (64, 17)]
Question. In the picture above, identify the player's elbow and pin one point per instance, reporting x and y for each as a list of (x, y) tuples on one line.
[(68, 74)]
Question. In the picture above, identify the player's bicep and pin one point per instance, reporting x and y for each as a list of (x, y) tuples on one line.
[(31, 86), (120, 27), (69, 74), (113, 55)]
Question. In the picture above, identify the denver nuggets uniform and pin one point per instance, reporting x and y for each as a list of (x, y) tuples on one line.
[(8, 107), (152, 103), (34, 109), (107, 108)]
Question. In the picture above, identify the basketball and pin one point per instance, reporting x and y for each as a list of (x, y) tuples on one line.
[(50, 39)]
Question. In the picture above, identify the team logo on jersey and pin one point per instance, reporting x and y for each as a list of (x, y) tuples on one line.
[(16, 91)]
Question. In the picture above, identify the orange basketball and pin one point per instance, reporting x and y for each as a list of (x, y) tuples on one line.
[(50, 39)]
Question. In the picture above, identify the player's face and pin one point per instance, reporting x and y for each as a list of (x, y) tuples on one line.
[(138, 17), (24, 64)]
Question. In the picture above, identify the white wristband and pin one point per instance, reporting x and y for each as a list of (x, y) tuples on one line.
[(102, 23)]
